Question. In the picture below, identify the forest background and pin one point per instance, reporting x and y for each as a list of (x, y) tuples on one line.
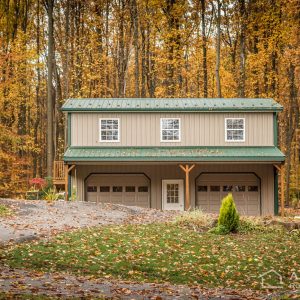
[(51, 50)]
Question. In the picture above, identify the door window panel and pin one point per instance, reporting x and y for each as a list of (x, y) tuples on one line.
[(227, 188), (215, 188), (104, 189), (117, 189), (239, 188), (172, 193), (130, 189), (91, 189), (202, 188), (143, 189), (252, 188)]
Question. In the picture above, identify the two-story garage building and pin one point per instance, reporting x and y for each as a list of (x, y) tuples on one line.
[(174, 153)]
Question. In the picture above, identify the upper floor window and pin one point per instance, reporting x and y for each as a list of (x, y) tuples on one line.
[(109, 130), (235, 130), (170, 130)]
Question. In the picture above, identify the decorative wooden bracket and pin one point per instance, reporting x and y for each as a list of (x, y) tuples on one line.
[(187, 169), (280, 170), (68, 169)]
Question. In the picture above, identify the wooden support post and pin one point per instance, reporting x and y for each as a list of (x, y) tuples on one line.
[(67, 171), (187, 169), (280, 169)]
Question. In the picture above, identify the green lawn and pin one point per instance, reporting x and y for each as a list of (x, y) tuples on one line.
[(4, 211), (11, 296), (165, 253)]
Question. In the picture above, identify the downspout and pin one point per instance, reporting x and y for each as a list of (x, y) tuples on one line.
[(69, 185), (275, 171), (276, 205)]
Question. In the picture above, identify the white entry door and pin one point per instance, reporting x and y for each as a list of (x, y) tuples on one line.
[(172, 194)]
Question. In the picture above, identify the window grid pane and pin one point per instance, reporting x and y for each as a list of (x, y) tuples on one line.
[(235, 130), (170, 129), (109, 130)]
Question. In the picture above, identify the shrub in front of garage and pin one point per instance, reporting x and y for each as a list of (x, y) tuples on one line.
[(229, 218)]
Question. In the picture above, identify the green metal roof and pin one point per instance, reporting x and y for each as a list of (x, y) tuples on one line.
[(172, 104), (183, 154)]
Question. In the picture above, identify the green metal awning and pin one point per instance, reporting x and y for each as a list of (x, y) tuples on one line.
[(173, 154), (170, 104)]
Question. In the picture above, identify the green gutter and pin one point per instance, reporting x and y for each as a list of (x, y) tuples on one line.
[(276, 205), (169, 147)]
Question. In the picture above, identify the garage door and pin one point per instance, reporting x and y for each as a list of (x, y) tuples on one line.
[(212, 188), (133, 190)]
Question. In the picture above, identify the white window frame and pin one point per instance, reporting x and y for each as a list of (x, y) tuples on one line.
[(161, 130), (244, 130), (109, 141)]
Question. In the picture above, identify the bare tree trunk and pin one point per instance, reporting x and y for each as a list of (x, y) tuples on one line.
[(186, 65), (255, 51), (79, 8), (121, 52), (292, 122), (66, 60), (242, 75), (152, 78), (107, 88), (50, 102), (172, 45), (144, 69), (37, 91), (135, 22), (66, 65), (150, 71), (204, 49), (23, 109), (218, 49), (100, 84)]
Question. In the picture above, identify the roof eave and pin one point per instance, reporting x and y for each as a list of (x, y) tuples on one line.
[(176, 159), (195, 110)]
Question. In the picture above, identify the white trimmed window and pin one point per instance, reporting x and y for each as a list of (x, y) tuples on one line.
[(109, 130), (170, 130), (234, 129)]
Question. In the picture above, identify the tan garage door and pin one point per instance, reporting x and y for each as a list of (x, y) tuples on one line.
[(127, 189), (212, 188)]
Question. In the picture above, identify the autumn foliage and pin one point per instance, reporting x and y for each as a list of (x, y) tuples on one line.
[(140, 48)]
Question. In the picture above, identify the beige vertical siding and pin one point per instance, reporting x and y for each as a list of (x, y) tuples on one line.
[(172, 171), (197, 129)]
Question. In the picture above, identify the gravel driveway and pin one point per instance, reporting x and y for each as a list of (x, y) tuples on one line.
[(32, 219)]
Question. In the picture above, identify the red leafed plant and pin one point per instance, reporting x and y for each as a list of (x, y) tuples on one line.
[(38, 183)]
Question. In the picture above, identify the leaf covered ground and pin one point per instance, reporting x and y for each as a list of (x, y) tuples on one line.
[(163, 253)]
